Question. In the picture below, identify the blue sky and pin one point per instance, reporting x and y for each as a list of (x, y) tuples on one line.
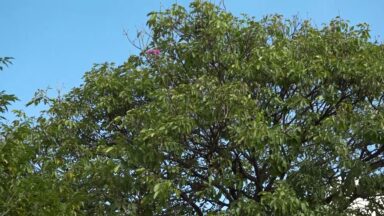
[(55, 41)]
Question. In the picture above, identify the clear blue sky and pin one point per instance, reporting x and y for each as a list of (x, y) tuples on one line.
[(55, 41)]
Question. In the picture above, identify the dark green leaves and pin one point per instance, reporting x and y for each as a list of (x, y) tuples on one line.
[(5, 61), (5, 100)]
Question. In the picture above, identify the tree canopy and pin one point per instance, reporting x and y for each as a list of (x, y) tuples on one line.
[(218, 115)]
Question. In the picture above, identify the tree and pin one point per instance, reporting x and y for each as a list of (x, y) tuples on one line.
[(5, 99), (219, 115), (24, 188), (5, 61)]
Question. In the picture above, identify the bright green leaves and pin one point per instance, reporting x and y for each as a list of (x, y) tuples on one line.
[(161, 190), (284, 202)]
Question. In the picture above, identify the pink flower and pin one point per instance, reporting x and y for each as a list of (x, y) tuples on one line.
[(153, 52)]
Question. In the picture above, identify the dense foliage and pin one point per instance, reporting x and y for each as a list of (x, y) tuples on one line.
[(217, 115)]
